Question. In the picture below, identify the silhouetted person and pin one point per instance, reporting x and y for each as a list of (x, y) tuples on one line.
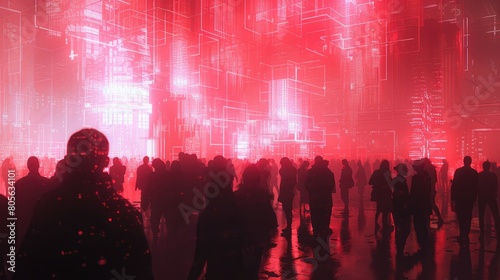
[(368, 169), (288, 183), (258, 219), (274, 177), (4, 232), (176, 194), (487, 195), (301, 179), (84, 229), (431, 171), (157, 192), (346, 182), (143, 172), (421, 203), (265, 177), (401, 209), (464, 190), (320, 183), (361, 180), (29, 189), (443, 175), (117, 173), (7, 164), (382, 193), (219, 233)]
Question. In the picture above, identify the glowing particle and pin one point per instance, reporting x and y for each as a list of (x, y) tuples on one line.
[(102, 261)]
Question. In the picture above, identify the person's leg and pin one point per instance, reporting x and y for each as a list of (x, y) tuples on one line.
[(421, 225), (398, 222), (344, 193), (493, 204), (435, 208), (481, 203), (155, 223), (464, 215), (325, 214), (314, 218), (287, 209)]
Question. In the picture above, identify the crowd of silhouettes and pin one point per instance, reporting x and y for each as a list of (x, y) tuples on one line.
[(94, 231)]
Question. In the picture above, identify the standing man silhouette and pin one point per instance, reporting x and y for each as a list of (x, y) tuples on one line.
[(464, 190)]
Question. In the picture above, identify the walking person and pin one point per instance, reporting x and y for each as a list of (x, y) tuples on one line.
[(288, 183), (421, 204), (320, 183), (382, 194), (361, 181), (401, 211), (304, 194), (464, 189), (117, 173), (487, 195), (346, 182)]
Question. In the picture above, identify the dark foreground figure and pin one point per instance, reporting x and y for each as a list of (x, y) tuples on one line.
[(84, 229)]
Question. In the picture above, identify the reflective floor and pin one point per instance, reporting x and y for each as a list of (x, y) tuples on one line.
[(356, 250)]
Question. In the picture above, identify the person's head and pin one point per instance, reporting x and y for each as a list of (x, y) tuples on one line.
[(467, 160), (402, 169), (359, 163), (486, 165), (251, 176), (384, 165), (87, 151), (175, 167), (285, 161), (220, 163), (418, 166), (158, 164), (116, 161), (33, 164), (145, 160), (305, 164), (318, 160), (345, 162)]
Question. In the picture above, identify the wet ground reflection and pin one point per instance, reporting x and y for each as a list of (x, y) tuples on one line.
[(353, 251)]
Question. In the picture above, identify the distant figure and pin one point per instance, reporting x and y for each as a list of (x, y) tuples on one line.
[(7, 164), (346, 182), (421, 203), (304, 194), (464, 191), (265, 177), (29, 189), (156, 191), (274, 177), (487, 195), (443, 175), (84, 229), (143, 172), (117, 173), (4, 247), (382, 194), (219, 241), (232, 172), (288, 183), (368, 169), (361, 180), (431, 171), (320, 183), (258, 217), (401, 209)]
